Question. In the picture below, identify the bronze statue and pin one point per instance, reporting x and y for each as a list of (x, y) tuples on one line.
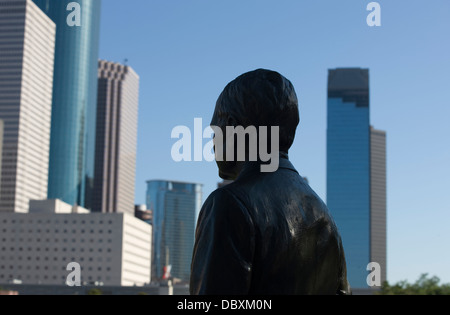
[(267, 232)]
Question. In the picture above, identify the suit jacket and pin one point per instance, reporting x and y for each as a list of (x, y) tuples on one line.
[(267, 233)]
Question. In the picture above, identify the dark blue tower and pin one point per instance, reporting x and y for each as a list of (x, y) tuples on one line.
[(348, 166)]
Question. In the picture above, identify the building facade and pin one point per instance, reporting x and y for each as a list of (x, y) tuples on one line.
[(116, 142), (175, 207), (27, 46), (112, 249), (350, 169), (72, 140), (378, 200)]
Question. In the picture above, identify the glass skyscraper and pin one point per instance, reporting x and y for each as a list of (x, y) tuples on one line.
[(72, 139), (349, 169), (175, 207)]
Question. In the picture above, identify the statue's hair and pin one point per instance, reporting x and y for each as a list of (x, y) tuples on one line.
[(261, 98)]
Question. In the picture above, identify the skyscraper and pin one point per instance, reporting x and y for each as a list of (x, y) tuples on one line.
[(355, 181), (72, 141), (115, 156), (175, 207), (27, 44), (378, 199)]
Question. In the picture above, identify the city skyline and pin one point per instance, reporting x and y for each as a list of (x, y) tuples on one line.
[(187, 52), (48, 128)]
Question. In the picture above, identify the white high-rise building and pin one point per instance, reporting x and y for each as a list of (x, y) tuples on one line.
[(27, 46)]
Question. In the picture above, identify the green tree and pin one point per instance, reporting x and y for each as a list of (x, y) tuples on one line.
[(423, 286), (95, 291)]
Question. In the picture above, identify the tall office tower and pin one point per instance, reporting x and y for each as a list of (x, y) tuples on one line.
[(115, 155), (378, 199), (27, 44), (175, 207), (72, 140), (356, 185)]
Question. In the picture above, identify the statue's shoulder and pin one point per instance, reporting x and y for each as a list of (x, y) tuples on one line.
[(223, 206), (223, 198)]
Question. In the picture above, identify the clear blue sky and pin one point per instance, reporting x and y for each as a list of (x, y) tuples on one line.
[(186, 51)]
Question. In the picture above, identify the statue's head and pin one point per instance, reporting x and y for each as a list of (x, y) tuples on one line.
[(258, 98)]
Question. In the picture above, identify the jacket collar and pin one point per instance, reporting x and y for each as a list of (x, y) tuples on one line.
[(255, 167)]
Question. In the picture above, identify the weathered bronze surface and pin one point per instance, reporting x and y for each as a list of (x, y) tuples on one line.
[(266, 233)]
